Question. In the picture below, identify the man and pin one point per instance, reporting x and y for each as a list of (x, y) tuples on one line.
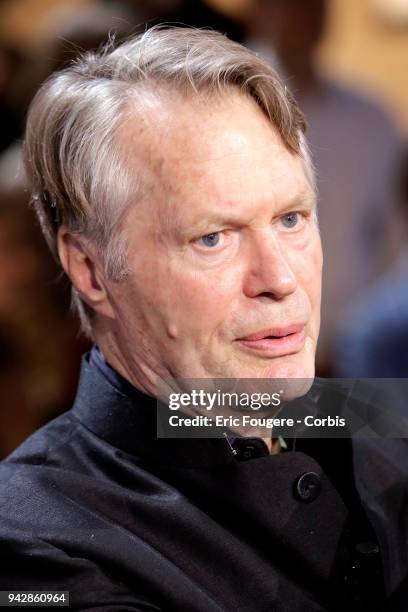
[(171, 176)]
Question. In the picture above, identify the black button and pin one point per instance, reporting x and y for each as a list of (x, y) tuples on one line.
[(365, 582), (308, 486), (249, 448), (367, 549), (248, 452)]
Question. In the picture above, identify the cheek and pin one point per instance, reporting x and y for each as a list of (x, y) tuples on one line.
[(204, 300), (313, 278), (308, 264)]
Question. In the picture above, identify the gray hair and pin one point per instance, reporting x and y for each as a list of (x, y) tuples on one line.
[(72, 154)]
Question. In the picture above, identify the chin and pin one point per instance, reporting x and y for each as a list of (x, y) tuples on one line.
[(295, 373), (289, 368)]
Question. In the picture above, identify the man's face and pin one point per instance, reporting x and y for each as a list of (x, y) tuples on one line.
[(224, 252)]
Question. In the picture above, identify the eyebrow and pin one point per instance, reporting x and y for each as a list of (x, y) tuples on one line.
[(301, 201), (306, 199)]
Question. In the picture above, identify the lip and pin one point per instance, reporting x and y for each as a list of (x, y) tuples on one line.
[(285, 340)]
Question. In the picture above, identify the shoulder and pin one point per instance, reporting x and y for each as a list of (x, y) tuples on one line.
[(63, 518)]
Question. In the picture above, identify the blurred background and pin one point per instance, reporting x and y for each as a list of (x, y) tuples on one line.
[(347, 64)]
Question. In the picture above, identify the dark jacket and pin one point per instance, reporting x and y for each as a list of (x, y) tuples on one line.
[(95, 504)]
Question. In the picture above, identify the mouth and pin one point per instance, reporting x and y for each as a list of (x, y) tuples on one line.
[(276, 342)]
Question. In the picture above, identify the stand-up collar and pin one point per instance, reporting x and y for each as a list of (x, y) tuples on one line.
[(117, 412), (126, 418)]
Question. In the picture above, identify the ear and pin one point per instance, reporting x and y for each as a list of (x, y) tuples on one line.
[(82, 267)]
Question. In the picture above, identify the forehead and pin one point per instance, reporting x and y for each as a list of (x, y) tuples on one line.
[(223, 151)]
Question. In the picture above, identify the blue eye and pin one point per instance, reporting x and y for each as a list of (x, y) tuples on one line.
[(290, 220), (211, 240)]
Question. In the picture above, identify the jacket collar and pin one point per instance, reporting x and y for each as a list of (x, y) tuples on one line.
[(115, 411), (127, 419)]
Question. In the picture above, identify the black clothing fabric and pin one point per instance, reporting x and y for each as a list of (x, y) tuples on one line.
[(95, 504)]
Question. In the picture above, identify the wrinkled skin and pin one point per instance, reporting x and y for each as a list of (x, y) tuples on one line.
[(217, 170)]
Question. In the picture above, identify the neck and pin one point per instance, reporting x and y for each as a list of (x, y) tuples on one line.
[(273, 445), (150, 379), (137, 374)]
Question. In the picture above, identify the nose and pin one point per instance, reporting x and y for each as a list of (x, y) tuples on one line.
[(269, 271)]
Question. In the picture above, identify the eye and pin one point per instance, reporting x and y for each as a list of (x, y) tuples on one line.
[(211, 240), (290, 219)]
